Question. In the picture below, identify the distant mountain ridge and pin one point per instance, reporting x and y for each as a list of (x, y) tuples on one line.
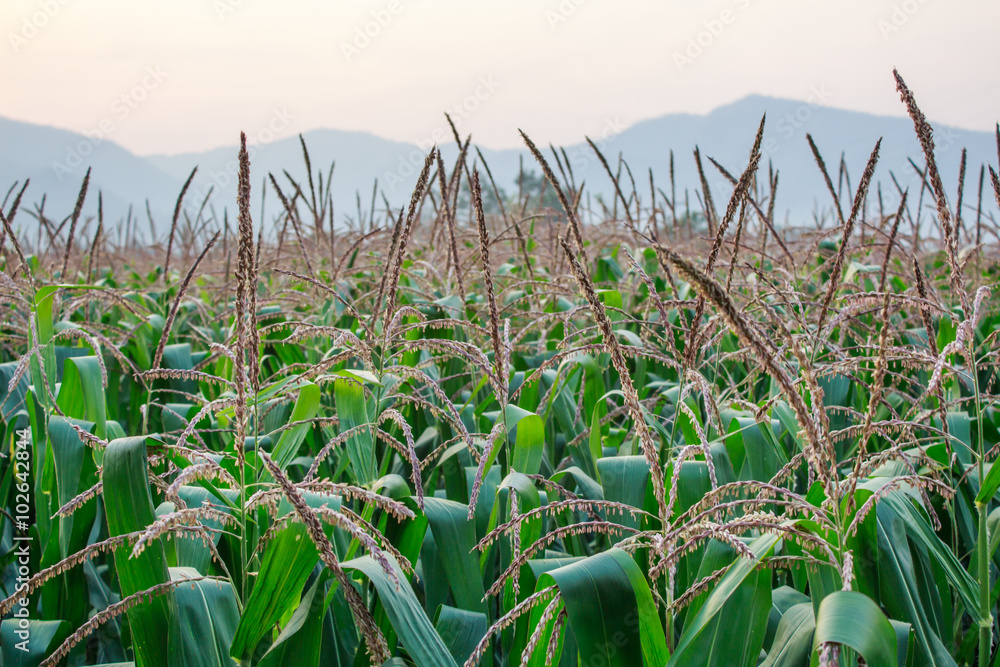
[(56, 160)]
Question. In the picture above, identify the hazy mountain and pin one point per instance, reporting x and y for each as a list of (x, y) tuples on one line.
[(56, 161), (46, 155), (727, 134), (360, 158)]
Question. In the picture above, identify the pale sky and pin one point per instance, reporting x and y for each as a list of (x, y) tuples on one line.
[(172, 76)]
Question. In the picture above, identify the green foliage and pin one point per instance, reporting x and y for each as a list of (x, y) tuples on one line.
[(660, 471)]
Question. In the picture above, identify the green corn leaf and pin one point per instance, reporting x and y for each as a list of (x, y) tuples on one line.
[(75, 473), (306, 407), (920, 530), (735, 634), (129, 508), (455, 537), (81, 394), (529, 439), (624, 480), (794, 638), (900, 591), (287, 562), (991, 482), (460, 630), (415, 630), (27, 646), (852, 619), (301, 639), (783, 598), (728, 584), (352, 409), (610, 609), (207, 617)]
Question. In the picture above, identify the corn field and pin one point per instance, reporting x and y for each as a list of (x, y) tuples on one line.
[(457, 434)]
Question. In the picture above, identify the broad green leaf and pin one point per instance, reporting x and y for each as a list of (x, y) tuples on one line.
[(460, 630), (624, 479), (129, 507), (783, 598), (920, 530), (794, 638), (360, 374), (352, 408), (898, 584), (586, 486), (207, 617), (178, 357), (529, 439), (75, 473), (195, 553), (905, 643), (455, 537), (594, 450), (594, 389), (415, 630), (301, 639), (42, 310), (14, 400), (287, 562), (306, 407), (730, 581), (852, 619), (610, 609), (81, 394), (763, 459), (991, 482), (27, 646), (735, 635)]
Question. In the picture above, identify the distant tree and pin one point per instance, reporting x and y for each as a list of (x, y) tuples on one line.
[(531, 185), (490, 204)]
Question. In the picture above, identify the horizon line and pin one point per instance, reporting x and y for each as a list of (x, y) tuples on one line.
[(902, 116)]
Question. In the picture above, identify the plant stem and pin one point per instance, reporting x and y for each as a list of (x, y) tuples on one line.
[(982, 542), (983, 564)]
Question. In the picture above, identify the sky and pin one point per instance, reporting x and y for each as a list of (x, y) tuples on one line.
[(169, 77)]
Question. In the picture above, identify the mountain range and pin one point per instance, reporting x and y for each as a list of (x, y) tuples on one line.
[(56, 160)]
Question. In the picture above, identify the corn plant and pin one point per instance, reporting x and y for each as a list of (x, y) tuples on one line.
[(441, 436)]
